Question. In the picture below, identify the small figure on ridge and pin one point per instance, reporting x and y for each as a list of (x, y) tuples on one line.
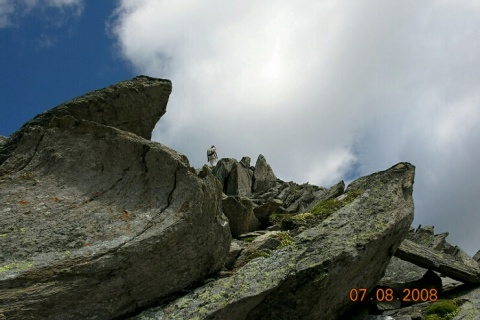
[(212, 155)]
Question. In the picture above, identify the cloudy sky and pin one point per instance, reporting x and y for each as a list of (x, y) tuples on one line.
[(325, 90)]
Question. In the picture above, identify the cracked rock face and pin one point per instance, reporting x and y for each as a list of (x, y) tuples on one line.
[(311, 277), (96, 220)]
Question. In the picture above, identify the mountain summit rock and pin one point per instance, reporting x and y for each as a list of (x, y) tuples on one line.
[(99, 222), (95, 219)]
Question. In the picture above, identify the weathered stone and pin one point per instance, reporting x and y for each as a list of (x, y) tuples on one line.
[(267, 241), (336, 190), (239, 211), (256, 233), (263, 176), (321, 194), (134, 105), (222, 171), (423, 236), (438, 261), (476, 257), (264, 211), (459, 255), (245, 162), (239, 181), (235, 250), (439, 241), (97, 221), (470, 307), (400, 271), (2, 140), (236, 179), (311, 278), (430, 280)]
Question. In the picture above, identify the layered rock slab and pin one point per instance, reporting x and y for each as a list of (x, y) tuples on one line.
[(96, 221), (438, 261), (312, 277)]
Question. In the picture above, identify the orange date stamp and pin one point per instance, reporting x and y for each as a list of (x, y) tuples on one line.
[(388, 295)]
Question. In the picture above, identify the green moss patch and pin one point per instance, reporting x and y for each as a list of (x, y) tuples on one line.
[(321, 211), (441, 310), (265, 253)]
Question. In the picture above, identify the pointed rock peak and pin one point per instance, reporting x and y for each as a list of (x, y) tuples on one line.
[(134, 105), (263, 176)]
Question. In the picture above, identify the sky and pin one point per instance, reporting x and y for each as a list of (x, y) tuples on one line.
[(325, 90)]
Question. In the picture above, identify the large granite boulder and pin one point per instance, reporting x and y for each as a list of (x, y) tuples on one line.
[(134, 105), (310, 276), (96, 221)]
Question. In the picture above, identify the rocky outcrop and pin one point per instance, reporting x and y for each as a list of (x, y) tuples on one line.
[(235, 177), (97, 220), (239, 211), (476, 257), (310, 277), (430, 259), (266, 209), (263, 176), (403, 276), (260, 246), (135, 106)]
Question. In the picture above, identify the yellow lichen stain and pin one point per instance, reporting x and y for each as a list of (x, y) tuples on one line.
[(22, 265)]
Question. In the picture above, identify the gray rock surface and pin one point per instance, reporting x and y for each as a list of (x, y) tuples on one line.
[(222, 171), (265, 210), (310, 278), (265, 242), (134, 105), (235, 177), (438, 261), (96, 221), (263, 176), (2, 140), (476, 257), (235, 250), (239, 211), (470, 305), (240, 179)]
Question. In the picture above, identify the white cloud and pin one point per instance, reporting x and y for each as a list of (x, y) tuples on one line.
[(6, 9), (10, 10), (322, 88)]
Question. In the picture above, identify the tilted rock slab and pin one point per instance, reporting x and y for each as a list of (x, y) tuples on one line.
[(438, 261), (313, 278), (96, 221)]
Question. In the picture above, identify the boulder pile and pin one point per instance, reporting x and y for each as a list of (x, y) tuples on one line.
[(99, 222)]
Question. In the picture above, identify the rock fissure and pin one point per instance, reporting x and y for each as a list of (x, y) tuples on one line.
[(34, 153), (152, 222), (146, 148)]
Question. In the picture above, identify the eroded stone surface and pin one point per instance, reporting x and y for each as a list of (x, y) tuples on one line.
[(311, 278), (96, 221)]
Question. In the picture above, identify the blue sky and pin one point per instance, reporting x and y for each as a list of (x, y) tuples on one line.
[(52, 55), (325, 90)]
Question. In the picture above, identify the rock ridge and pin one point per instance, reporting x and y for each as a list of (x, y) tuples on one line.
[(134, 105)]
